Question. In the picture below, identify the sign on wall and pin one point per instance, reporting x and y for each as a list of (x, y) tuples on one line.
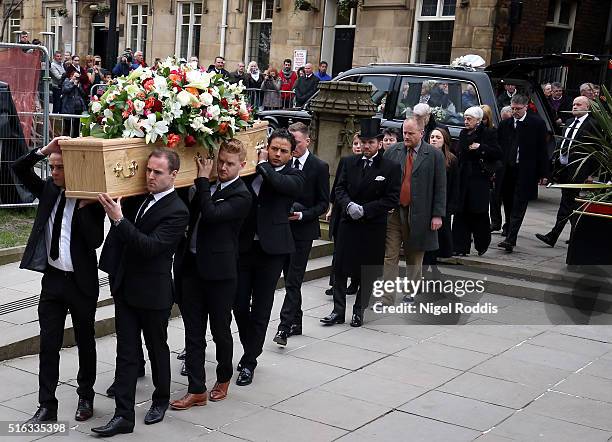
[(299, 58)]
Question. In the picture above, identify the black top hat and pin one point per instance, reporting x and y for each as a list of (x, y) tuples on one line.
[(370, 128)]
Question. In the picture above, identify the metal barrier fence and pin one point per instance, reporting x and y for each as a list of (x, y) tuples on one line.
[(264, 99)]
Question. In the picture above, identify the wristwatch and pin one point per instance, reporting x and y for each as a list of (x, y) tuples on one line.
[(117, 222)]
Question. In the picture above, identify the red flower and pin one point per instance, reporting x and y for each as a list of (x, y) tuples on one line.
[(190, 140), (158, 106), (224, 103), (148, 84), (173, 140), (149, 102), (223, 127)]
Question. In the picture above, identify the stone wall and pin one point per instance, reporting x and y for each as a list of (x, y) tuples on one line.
[(474, 29)]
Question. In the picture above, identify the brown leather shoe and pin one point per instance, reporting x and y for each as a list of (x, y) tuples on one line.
[(188, 401), (219, 391)]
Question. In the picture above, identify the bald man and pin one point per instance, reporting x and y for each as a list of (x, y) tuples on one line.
[(305, 86), (576, 130)]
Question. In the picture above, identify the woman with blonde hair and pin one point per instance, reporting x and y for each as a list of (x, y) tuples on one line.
[(487, 117)]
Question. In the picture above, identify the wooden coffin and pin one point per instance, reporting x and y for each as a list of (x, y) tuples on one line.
[(117, 166)]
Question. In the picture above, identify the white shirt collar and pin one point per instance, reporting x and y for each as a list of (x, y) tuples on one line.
[(581, 119), (369, 159), (521, 119), (160, 195), (303, 158), (279, 168), (227, 183)]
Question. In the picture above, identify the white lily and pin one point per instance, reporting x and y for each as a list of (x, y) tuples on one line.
[(186, 98), (154, 128), (139, 106), (161, 86), (132, 128), (108, 115), (96, 107), (175, 109), (206, 99)]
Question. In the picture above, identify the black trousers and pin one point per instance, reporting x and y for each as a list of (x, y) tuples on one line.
[(495, 201), (466, 225), (294, 270), (204, 301), (362, 299), (258, 275), (59, 295), (565, 213), (519, 209), (508, 190), (129, 321)]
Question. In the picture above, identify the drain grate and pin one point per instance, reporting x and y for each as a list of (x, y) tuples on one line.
[(31, 301)]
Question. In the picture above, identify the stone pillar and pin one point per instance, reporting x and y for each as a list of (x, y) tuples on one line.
[(337, 109)]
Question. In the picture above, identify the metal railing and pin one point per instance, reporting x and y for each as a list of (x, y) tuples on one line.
[(265, 99)]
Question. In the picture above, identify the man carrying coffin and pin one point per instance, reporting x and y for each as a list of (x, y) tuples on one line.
[(265, 243), (206, 267), (368, 188), (137, 255), (62, 245)]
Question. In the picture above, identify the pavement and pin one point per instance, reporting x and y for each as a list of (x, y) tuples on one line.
[(511, 375)]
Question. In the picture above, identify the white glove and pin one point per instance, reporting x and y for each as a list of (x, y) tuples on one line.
[(355, 211)]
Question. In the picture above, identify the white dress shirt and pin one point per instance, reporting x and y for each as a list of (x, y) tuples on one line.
[(564, 151), (302, 159), (64, 261), (518, 147)]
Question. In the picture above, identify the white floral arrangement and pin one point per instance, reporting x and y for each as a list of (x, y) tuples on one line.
[(439, 113), (173, 103), (470, 60)]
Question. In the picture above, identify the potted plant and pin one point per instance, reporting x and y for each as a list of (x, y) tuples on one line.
[(304, 5), (345, 6), (103, 8), (62, 12)]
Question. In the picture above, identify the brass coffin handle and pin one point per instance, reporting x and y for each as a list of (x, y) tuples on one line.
[(119, 171)]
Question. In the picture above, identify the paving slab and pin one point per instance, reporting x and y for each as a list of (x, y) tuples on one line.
[(411, 371), (463, 338), (444, 355), (548, 356), (526, 426), (571, 344), (585, 385), (491, 390), (338, 355), (371, 340), (457, 410), (399, 426), (573, 409)]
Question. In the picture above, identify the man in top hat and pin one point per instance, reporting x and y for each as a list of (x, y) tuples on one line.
[(367, 189)]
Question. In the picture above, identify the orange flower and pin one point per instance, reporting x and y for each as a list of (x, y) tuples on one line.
[(193, 91), (174, 77), (173, 140), (223, 127)]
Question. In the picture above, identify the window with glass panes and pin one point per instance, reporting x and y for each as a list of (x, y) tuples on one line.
[(189, 23), (54, 24), (435, 21), (260, 32), (137, 28)]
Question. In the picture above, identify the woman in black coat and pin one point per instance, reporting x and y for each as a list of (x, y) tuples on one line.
[(440, 139), (73, 103), (478, 153)]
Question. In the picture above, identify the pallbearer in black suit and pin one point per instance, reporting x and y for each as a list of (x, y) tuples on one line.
[(137, 255), (566, 164), (265, 243), (368, 188), (62, 245), (304, 217), (206, 267)]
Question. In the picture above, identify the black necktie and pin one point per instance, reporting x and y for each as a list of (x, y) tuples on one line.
[(296, 164), (144, 206), (569, 138), (57, 227)]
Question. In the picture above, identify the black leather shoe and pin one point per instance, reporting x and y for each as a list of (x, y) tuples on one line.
[(155, 414), (43, 414), (239, 367), (333, 318), (506, 246), (352, 289), (181, 355), (184, 370), (329, 292), (356, 320), (84, 410), (117, 425), (546, 239), (295, 330), (245, 377), (281, 337)]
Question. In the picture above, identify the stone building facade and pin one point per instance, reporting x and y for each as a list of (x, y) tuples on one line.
[(268, 31)]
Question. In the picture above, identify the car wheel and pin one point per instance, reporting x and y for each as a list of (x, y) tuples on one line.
[(272, 126)]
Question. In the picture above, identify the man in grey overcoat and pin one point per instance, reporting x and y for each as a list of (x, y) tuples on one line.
[(414, 223)]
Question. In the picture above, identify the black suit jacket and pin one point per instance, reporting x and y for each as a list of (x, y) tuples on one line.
[(314, 197), (305, 88), (87, 229), (533, 155), (138, 257), (217, 237), (567, 174), (269, 215)]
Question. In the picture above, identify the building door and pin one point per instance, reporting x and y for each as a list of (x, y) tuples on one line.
[(343, 50), (100, 38)]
